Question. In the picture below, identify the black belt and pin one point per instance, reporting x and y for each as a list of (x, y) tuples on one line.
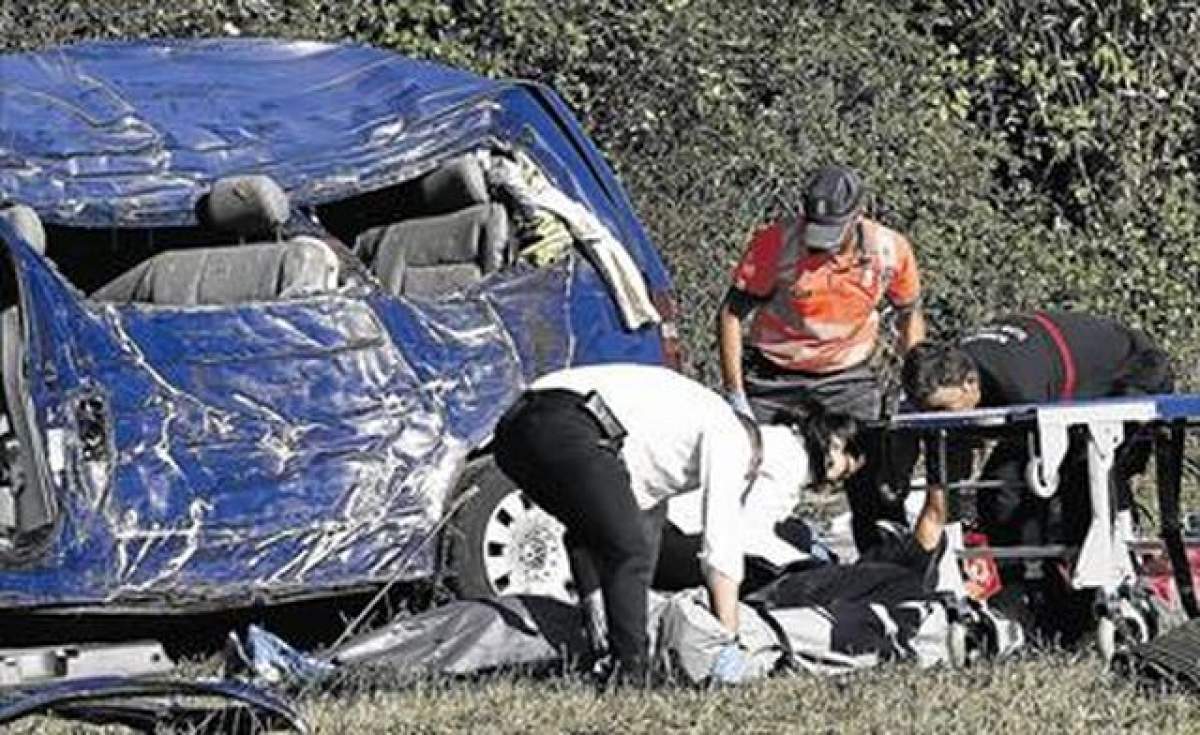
[(614, 432), (591, 403)]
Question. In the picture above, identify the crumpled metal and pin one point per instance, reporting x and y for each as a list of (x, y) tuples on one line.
[(154, 705), (266, 449), (132, 133), (274, 450)]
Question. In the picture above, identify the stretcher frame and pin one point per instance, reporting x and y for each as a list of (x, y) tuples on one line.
[(1104, 562)]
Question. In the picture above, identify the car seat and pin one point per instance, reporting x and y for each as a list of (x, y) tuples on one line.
[(22, 508), (460, 236), (246, 206), (266, 271)]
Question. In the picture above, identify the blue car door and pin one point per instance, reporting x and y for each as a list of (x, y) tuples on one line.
[(225, 452)]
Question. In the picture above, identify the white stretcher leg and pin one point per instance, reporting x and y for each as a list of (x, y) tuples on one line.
[(1104, 560), (949, 573)]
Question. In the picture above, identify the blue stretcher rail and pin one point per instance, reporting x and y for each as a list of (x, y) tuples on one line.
[(1166, 407)]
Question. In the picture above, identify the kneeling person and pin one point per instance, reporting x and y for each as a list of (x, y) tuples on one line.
[(600, 446)]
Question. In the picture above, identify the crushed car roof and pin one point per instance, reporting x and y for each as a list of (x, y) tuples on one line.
[(112, 133), (133, 133)]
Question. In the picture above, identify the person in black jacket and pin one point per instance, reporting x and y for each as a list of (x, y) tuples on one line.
[(1044, 357)]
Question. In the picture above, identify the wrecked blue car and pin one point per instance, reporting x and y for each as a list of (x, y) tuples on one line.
[(261, 305)]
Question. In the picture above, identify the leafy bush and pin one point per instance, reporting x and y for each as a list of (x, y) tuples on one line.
[(1039, 154), (1094, 102)]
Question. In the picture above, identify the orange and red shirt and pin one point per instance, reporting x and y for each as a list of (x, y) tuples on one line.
[(821, 310)]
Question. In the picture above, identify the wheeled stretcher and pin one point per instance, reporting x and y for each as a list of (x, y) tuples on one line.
[(1103, 562)]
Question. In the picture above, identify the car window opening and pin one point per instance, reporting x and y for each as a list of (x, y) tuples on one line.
[(443, 232), (429, 238), (27, 505)]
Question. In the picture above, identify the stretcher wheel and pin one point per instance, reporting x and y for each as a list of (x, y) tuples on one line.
[(1117, 633)]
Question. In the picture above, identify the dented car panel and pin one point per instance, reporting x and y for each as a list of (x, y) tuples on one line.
[(277, 447), (202, 456)]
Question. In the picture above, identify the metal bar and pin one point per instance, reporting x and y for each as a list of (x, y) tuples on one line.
[(953, 505), (1019, 552), (1168, 464)]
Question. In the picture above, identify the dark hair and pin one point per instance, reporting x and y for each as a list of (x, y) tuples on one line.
[(818, 428), (929, 366)]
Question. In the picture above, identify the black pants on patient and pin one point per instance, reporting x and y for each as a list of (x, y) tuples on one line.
[(558, 455)]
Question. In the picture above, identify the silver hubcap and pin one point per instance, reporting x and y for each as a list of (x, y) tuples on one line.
[(523, 552)]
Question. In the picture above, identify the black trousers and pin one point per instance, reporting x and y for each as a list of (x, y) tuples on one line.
[(854, 391), (558, 455), (1012, 514)]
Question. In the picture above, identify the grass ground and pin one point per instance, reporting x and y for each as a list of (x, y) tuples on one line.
[(1055, 693)]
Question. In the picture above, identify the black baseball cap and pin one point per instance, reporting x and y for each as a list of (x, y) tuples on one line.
[(831, 200)]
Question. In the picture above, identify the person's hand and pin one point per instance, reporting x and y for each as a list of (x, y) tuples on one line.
[(738, 402), (730, 665)]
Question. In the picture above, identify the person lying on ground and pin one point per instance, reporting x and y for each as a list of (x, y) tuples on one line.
[(902, 567), (1044, 357), (601, 447), (827, 620)]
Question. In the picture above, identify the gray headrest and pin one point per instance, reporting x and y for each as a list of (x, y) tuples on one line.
[(455, 185), (27, 224), (248, 205)]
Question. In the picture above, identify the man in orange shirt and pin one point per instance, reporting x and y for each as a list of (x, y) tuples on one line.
[(813, 285)]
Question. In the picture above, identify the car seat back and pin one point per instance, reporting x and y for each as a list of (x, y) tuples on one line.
[(431, 256), (228, 275)]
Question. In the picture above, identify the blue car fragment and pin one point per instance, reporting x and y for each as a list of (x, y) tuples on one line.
[(152, 705)]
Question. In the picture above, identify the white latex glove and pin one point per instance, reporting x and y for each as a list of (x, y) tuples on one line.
[(730, 665)]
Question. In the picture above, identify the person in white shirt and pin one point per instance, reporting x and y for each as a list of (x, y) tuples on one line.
[(599, 446)]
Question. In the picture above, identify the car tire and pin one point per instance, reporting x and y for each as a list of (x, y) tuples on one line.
[(503, 544)]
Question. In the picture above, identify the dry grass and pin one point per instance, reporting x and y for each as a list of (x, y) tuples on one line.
[(1053, 693)]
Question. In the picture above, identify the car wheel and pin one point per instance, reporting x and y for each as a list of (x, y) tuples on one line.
[(504, 544)]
